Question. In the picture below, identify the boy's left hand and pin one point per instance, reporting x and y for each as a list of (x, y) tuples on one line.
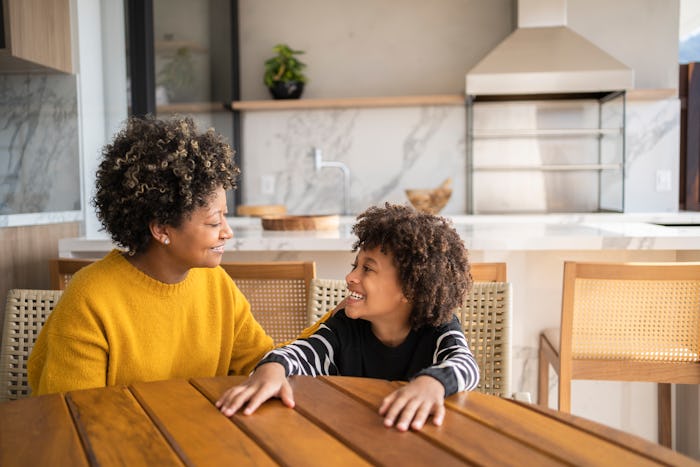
[(412, 404)]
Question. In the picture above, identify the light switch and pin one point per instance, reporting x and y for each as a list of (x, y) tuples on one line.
[(267, 184), (663, 180)]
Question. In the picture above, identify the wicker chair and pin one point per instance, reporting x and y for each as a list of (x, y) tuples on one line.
[(62, 269), (278, 293), (625, 322), (25, 314), (485, 318)]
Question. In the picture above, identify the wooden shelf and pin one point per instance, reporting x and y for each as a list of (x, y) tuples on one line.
[(191, 108), (651, 94), (350, 102)]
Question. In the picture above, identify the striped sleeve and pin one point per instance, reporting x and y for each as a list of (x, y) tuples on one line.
[(312, 356), (453, 363)]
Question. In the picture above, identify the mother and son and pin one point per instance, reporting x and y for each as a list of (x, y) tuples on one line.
[(161, 308)]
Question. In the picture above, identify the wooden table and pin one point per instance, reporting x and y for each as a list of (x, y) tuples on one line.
[(335, 422)]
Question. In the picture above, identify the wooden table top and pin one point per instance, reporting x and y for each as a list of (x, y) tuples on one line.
[(335, 422)]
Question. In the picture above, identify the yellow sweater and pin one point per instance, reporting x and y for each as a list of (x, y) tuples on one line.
[(116, 325)]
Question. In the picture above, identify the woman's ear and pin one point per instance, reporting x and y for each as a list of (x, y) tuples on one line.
[(159, 232)]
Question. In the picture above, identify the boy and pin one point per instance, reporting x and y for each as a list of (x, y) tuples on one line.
[(410, 273)]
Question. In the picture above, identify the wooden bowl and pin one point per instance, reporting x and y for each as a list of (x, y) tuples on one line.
[(429, 201), (259, 210), (325, 222)]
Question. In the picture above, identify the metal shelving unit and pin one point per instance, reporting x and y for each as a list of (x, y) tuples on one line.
[(609, 132)]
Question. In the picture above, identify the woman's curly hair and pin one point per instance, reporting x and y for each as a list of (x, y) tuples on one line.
[(432, 261), (158, 170)]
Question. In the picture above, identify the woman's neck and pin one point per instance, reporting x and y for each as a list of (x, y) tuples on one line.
[(157, 266)]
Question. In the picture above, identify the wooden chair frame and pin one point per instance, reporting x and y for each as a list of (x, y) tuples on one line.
[(272, 289), (570, 366), (61, 270)]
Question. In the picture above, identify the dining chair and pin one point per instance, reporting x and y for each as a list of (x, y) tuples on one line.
[(625, 322), (62, 269), (278, 293), (485, 319), (25, 313)]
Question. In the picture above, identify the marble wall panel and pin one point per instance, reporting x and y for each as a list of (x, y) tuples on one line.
[(386, 150), (39, 146)]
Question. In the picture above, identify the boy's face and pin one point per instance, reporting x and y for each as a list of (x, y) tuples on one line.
[(375, 290)]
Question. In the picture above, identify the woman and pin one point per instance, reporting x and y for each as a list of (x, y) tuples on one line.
[(161, 308)]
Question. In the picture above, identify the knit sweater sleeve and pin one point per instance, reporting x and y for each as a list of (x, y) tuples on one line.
[(453, 363), (71, 351)]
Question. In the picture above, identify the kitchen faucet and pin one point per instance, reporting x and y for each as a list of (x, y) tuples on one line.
[(319, 164)]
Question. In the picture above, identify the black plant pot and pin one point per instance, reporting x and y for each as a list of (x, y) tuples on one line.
[(287, 90)]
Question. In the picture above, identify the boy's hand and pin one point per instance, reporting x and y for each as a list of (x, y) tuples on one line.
[(268, 381), (413, 403)]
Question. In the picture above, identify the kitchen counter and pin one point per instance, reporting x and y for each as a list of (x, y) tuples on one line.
[(663, 231)]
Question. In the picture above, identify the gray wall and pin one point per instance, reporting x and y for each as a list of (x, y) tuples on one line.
[(372, 48), (405, 47)]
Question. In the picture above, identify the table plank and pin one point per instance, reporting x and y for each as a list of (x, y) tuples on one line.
[(195, 427), (644, 447), (565, 441), (116, 431), (286, 435), (39, 431), (360, 427), (468, 438)]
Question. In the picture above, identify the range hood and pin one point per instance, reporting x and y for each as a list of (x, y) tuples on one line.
[(544, 56)]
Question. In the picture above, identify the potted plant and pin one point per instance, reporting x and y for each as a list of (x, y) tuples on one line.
[(284, 75)]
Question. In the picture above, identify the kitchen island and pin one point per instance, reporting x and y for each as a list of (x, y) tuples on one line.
[(534, 248)]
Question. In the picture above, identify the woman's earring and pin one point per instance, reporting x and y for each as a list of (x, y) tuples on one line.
[(166, 241)]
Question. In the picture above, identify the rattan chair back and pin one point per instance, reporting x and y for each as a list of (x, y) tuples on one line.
[(26, 312), (485, 318), (278, 293)]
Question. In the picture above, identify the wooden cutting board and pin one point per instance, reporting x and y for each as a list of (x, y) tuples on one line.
[(325, 222), (259, 210)]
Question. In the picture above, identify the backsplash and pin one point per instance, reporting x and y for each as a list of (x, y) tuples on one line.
[(390, 149), (386, 149), (39, 146)]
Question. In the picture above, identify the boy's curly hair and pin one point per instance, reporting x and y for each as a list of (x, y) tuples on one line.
[(158, 170), (432, 261)]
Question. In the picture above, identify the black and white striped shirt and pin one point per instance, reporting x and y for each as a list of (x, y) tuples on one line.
[(347, 347)]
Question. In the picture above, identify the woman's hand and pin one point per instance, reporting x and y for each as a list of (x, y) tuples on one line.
[(413, 403), (268, 381)]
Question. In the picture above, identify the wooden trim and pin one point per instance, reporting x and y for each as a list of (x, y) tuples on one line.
[(350, 102), (488, 272), (651, 94), (191, 108), (628, 370)]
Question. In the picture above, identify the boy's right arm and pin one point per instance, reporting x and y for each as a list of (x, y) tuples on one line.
[(269, 380)]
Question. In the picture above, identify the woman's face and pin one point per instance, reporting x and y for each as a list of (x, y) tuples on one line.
[(199, 240), (375, 290)]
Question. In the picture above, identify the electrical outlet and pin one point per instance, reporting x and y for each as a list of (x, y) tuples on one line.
[(267, 184), (663, 180)]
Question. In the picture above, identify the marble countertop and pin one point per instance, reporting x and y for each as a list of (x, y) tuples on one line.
[(662, 231)]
